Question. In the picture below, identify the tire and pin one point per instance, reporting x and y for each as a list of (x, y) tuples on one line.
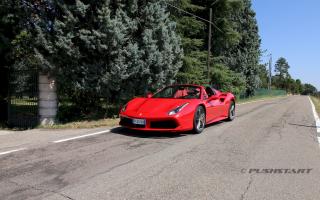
[(199, 120), (232, 111)]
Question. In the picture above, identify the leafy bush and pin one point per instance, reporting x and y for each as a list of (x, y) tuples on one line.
[(227, 80), (69, 112)]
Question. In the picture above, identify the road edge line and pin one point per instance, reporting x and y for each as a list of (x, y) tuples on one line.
[(81, 136), (315, 114), (316, 118)]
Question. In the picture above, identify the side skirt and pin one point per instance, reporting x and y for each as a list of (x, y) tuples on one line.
[(216, 120)]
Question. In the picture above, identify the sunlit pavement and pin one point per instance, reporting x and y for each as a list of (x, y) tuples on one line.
[(257, 156)]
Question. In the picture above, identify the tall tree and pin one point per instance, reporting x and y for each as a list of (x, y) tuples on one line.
[(309, 89), (106, 48), (225, 37), (282, 73), (263, 76), (192, 32), (298, 86), (235, 41), (282, 68), (241, 52)]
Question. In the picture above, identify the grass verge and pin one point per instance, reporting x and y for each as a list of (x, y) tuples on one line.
[(84, 124), (257, 98), (261, 94), (316, 102)]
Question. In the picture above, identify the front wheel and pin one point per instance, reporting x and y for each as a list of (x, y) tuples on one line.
[(232, 111), (199, 121)]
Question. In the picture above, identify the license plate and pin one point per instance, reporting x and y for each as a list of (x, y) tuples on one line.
[(139, 121)]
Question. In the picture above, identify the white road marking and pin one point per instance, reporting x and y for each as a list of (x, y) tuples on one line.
[(81, 136), (11, 151), (316, 117)]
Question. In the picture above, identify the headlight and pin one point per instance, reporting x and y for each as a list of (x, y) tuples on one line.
[(124, 108), (177, 109)]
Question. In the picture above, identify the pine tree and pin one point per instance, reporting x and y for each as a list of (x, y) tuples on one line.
[(104, 48), (161, 46), (282, 73), (239, 44), (263, 76), (108, 48), (282, 68), (192, 32), (235, 43)]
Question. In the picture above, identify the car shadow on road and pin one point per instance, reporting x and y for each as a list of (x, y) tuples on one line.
[(303, 125), (158, 135), (216, 123), (147, 134)]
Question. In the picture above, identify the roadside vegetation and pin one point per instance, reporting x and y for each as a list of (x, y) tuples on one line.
[(103, 53), (263, 94), (316, 101), (109, 122)]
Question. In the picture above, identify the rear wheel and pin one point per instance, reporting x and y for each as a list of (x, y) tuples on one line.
[(199, 121), (232, 111)]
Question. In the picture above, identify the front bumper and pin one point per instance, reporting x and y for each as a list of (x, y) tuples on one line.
[(170, 124)]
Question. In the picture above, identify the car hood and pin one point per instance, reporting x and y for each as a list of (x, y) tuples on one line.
[(153, 107)]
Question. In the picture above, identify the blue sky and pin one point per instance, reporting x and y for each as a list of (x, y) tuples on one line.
[(291, 29)]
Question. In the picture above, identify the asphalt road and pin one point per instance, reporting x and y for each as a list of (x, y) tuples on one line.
[(257, 156)]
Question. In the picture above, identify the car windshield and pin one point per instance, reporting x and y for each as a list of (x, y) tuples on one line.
[(179, 92)]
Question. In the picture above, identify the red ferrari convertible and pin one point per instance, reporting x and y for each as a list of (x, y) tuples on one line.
[(178, 108)]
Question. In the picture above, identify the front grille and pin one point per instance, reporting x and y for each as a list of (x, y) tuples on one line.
[(124, 121), (167, 124)]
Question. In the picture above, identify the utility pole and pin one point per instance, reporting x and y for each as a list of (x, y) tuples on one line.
[(210, 37), (270, 69), (209, 45)]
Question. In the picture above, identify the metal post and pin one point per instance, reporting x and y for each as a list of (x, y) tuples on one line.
[(209, 45), (270, 73)]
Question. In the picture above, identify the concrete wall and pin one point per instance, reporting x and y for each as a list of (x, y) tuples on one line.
[(48, 104)]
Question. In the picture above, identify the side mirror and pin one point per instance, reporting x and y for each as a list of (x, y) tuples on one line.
[(149, 95)]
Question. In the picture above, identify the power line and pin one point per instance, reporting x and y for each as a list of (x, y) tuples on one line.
[(196, 16), (214, 3)]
